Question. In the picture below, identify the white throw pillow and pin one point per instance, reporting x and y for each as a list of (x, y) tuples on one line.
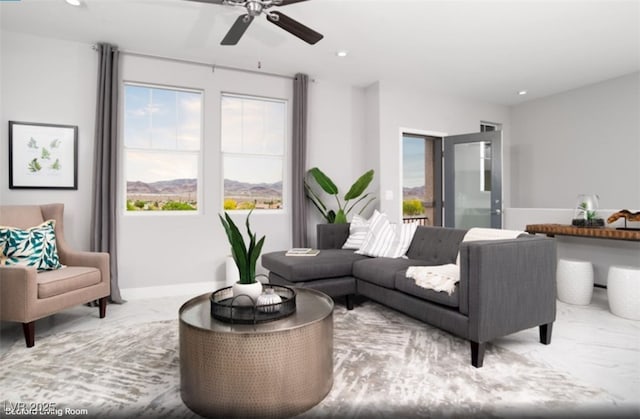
[(357, 233), (379, 238), (404, 235), (385, 240)]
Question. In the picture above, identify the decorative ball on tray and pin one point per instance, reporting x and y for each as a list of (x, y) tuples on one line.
[(269, 301)]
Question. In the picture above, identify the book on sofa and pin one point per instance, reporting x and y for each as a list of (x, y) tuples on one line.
[(302, 251)]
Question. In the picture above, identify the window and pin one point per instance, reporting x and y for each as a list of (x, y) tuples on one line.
[(253, 144), (162, 137)]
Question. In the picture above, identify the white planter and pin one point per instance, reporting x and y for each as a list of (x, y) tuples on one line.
[(243, 291)]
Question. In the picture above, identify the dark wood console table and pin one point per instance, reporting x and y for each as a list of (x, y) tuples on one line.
[(552, 230)]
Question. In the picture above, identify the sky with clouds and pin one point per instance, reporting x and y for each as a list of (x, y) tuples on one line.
[(413, 150), (171, 120)]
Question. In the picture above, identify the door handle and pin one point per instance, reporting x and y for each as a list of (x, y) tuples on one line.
[(498, 212)]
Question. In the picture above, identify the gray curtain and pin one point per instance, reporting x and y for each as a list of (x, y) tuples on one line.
[(103, 219), (298, 155)]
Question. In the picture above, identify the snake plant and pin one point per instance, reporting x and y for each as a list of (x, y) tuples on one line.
[(245, 257), (329, 187)]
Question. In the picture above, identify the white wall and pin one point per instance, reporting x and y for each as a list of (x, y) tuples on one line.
[(585, 140), (161, 249), (53, 82), (405, 107), (350, 130), (336, 139)]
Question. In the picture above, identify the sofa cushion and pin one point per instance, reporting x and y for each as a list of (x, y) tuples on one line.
[(62, 281), (408, 286), (382, 271), (35, 246), (329, 263), (436, 245), (333, 287)]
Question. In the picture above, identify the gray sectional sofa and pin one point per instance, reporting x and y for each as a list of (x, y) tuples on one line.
[(505, 285)]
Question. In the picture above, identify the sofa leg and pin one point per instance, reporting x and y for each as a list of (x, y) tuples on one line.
[(29, 330), (477, 353), (349, 301), (103, 307), (545, 333)]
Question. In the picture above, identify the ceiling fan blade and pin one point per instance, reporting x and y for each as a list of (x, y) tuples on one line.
[(296, 28), (237, 30), (286, 2), (209, 1)]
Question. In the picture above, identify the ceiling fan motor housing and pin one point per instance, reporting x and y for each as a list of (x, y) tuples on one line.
[(254, 8)]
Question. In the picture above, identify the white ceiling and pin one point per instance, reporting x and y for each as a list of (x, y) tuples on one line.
[(484, 50)]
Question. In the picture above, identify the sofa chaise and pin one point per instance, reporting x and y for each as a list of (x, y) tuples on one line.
[(505, 285)]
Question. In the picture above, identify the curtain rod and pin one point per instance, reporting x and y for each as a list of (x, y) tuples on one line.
[(214, 67)]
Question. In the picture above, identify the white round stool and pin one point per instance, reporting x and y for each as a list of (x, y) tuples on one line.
[(575, 281), (623, 290)]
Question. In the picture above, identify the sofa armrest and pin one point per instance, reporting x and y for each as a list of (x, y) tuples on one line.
[(98, 260), (18, 286), (331, 236), (510, 285)]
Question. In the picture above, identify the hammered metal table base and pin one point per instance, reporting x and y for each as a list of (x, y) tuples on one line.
[(256, 373)]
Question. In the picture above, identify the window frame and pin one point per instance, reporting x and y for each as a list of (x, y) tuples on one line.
[(199, 152), (284, 157)]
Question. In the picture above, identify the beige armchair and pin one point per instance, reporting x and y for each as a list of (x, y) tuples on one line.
[(26, 295)]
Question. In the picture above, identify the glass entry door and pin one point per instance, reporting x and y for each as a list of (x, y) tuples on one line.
[(473, 180)]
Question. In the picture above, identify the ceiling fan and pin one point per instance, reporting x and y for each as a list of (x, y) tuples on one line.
[(257, 7)]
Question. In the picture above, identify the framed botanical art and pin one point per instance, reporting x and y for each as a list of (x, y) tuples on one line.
[(43, 156)]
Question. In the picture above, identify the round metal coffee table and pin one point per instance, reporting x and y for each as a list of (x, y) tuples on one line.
[(275, 369)]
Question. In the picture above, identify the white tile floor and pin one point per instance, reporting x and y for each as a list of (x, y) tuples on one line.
[(588, 342)]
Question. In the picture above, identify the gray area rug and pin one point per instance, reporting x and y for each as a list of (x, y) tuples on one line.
[(386, 365)]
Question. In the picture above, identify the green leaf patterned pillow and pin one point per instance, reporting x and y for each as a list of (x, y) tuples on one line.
[(35, 246)]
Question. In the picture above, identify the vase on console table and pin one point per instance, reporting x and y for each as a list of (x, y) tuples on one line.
[(585, 212)]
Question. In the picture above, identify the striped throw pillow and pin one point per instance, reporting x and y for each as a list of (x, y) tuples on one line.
[(357, 233), (385, 239), (404, 236)]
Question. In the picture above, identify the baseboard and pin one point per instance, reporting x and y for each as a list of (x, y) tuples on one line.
[(193, 288)]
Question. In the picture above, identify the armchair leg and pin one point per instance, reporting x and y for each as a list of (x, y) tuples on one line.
[(477, 353), (103, 307), (29, 330), (545, 333), (349, 300)]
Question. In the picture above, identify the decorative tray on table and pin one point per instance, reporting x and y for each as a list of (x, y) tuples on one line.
[(236, 309)]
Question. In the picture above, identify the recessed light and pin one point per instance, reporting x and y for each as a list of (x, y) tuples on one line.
[(342, 53), (74, 2), (522, 92)]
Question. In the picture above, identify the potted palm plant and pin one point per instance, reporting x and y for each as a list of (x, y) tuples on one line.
[(355, 194), (245, 258)]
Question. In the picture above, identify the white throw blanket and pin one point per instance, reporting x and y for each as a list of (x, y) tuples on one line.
[(437, 278), (445, 277)]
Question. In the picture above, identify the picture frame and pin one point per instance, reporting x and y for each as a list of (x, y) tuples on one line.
[(43, 156)]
